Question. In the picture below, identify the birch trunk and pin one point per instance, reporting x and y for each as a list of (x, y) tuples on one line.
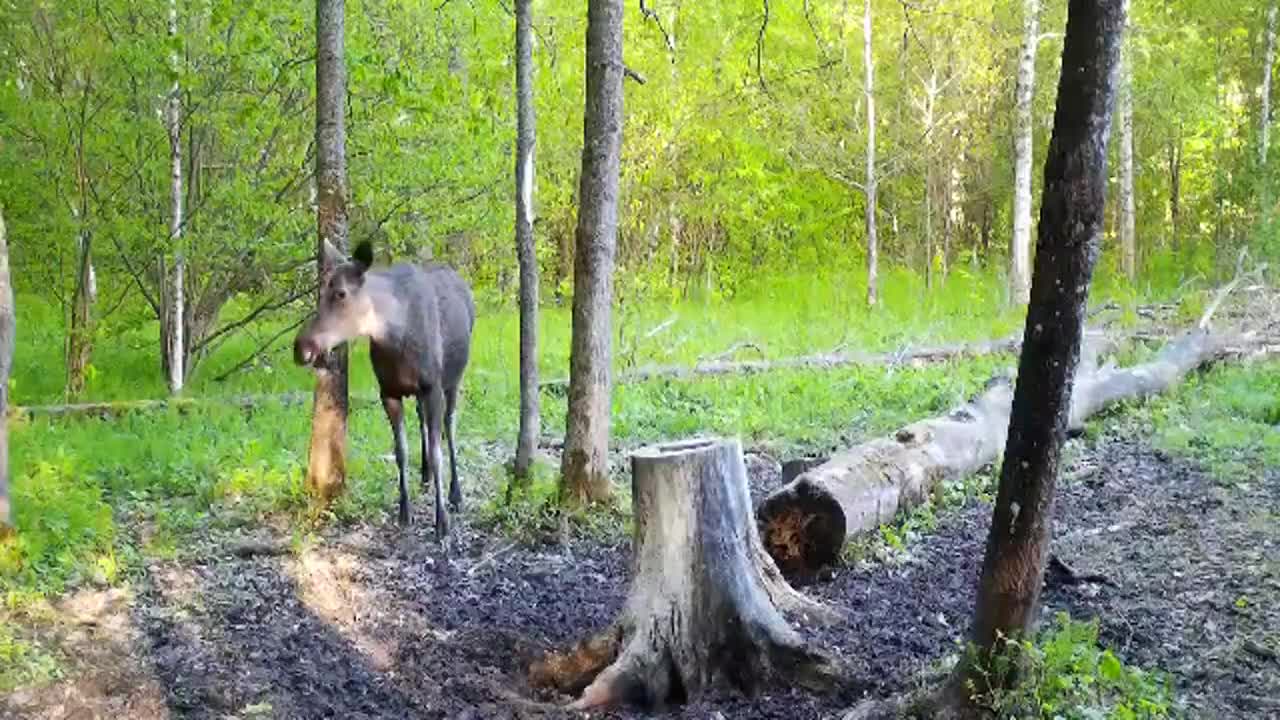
[(1024, 132), (585, 463), (1268, 60), (175, 343), (326, 468), (869, 86), (526, 134), (1128, 210)]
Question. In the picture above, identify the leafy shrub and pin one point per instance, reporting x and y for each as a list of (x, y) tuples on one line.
[(1067, 676)]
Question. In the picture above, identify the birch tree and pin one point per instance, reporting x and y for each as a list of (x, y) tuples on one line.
[(1268, 60), (1024, 131), (526, 135), (1128, 210), (869, 86), (173, 291)]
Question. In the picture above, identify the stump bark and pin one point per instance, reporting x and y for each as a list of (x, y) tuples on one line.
[(706, 602)]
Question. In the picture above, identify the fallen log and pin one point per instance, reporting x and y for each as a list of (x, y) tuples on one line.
[(820, 361), (805, 523)]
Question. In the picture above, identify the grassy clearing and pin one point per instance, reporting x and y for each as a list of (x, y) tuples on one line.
[(212, 467), (1228, 419)]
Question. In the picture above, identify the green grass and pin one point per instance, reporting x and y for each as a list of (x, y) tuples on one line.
[(1228, 419), (81, 485)]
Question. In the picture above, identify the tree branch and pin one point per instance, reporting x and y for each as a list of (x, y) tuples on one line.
[(648, 14)]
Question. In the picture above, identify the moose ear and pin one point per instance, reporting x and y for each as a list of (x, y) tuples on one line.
[(332, 257), (364, 254)]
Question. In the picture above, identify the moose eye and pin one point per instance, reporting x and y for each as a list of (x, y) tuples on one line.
[(339, 295)]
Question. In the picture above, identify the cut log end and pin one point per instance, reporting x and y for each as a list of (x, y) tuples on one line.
[(802, 529)]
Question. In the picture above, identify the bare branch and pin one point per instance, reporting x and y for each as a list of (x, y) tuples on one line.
[(764, 25), (268, 306), (260, 349), (649, 14)]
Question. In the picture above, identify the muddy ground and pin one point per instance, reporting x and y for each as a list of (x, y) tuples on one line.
[(372, 623)]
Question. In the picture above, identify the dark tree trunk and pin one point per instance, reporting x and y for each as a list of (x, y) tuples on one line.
[(585, 465), (326, 469), (706, 602), (526, 134), (80, 329), (7, 332), (1071, 216)]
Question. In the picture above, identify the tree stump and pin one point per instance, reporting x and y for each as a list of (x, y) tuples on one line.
[(706, 601)]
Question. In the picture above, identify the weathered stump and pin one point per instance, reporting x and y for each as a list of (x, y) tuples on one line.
[(706, 601)]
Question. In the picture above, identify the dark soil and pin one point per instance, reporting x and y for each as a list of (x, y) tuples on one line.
[(373, 623)]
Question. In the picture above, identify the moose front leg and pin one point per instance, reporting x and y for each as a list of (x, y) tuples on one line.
[(395, 414), (431, 416)]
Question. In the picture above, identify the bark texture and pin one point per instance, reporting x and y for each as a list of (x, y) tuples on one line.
[(869, 92), (175, 345), (326, 468), (1024, 131), (526, 134), (706, 601), (8, 326), (1071, 219), (585, 463)]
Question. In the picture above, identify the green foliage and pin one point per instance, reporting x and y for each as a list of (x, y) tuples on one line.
[(23, 663), (1065, 675), (1227, 418), (65, 530)]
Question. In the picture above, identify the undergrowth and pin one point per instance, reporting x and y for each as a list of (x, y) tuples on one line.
[(1066, 675), (1228, 419)]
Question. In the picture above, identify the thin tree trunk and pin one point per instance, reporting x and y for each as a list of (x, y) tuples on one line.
[(80, 329), (1268, 60), (873, 250), (1024, 132), (1128, 211), (326, 470), (7, 338), (1175, 188), (176, 346), (526, 134), (930, 94), (585, 463), (1070, 222)]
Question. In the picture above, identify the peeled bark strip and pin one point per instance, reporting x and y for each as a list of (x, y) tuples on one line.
[(706, 601), (806, 523)]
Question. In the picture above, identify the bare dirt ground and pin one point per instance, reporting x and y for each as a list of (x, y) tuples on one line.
[(372, 623)]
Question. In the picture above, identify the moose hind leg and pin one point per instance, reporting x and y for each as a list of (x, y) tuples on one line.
[(394, 408), (455, 488), (433, 402)]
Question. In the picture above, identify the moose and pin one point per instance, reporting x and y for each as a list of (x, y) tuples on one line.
[(419, 320)]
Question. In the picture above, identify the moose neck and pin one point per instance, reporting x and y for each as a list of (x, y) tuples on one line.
[(382, 324)]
